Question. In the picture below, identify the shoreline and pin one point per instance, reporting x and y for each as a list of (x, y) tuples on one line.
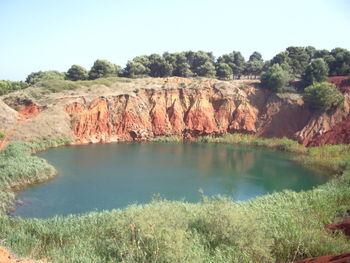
[(306, 211), (284, 145)]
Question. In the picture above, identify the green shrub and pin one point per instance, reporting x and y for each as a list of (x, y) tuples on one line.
[(223, 71), (275, 79), (322, 96), (7, 86), (76, 72), (316, 71), (35, 77), (2, 135), (103, 68)]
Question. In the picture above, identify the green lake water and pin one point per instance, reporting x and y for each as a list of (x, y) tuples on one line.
[(106, 176)]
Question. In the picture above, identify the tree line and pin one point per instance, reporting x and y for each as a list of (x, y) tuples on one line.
[(308, 64), (312, 67), (293, 62)]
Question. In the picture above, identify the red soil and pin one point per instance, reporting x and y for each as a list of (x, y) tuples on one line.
[(342, 258), (342, 83), (339, 133), (343, 226), (29, 111)]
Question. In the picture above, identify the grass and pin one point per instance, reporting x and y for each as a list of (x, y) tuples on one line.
[(7, 86), (334, 157), (275, 228), (172, 138), (18, 168), (327, 158), (280, 227), (53, 86), (2, 135), (283, 144)]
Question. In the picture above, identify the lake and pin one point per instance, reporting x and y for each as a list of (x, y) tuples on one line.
[(98, 177)]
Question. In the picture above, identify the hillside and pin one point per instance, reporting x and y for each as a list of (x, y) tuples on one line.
[(118, 109)]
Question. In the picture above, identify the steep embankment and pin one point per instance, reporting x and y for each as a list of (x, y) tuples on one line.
[(142, 109)]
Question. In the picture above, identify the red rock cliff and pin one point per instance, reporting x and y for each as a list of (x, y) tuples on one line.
[(212, 109), (143, 108), (151, 113)]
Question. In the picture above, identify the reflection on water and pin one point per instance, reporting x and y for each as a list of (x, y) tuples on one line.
[(98, 177)]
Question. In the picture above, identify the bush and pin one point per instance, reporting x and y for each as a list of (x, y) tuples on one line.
[(316, 71), (7, 86), (102, 69), (322, 96), (223, 71), (35, 77), (275, 79), (2, 135), (77, 72), (206, 70)]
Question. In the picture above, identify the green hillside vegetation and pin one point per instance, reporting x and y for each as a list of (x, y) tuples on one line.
[(7, 86), (322, 96), (35, 77), (280, 227)]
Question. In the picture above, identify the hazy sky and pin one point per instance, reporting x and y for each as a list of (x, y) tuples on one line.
[(54, 34)]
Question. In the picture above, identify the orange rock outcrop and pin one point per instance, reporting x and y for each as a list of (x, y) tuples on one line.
[(341, 258), (175, 106), (29, 111), (209, 110), (162, 112)]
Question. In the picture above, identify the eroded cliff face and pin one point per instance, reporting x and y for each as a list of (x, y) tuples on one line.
[(163, 107), (149, 113), (332, 127)]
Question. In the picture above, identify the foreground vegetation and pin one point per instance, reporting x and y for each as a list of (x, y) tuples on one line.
[(281, 227), (18, 168)]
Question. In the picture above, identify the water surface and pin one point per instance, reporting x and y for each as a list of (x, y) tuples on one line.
[(107, 176)]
